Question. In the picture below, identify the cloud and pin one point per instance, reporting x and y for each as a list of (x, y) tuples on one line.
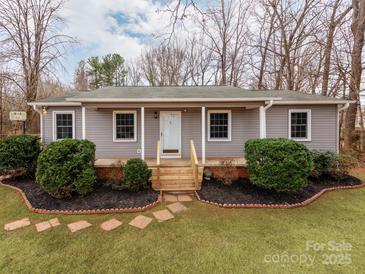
[(111, 26)]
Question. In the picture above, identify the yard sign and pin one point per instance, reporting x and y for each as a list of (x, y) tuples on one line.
[(18, 116)]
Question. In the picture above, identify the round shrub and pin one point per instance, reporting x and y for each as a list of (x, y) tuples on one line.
[(136, 175), (323, 162), (19, 152), (279, 164), (67, 166)]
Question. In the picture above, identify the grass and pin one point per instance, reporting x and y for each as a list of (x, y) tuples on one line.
[(204, 239)]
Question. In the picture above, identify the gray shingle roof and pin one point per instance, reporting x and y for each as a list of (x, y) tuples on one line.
[(187, 93)]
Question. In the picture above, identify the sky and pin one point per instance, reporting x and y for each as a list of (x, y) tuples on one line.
[(111, 26)]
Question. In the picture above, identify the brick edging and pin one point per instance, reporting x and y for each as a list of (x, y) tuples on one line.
[(79, 212), (301, 204)]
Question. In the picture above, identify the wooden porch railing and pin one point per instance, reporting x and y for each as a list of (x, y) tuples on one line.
[(158, 163), (194, 164)]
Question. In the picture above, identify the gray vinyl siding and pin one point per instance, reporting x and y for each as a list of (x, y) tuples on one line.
[(48, 122), (245, 125), (324, 125), (99, 129)]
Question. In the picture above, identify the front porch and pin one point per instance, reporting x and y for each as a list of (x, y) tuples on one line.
[(171, 174), (174, 162)]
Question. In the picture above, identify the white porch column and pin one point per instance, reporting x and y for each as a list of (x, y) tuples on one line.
[(83, 118), (262, 122), (142, 133), (41, 126), (203, 135)]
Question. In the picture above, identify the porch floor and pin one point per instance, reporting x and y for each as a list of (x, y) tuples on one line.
[(173, 162)]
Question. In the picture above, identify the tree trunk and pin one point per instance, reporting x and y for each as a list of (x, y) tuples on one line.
[(358, 29)]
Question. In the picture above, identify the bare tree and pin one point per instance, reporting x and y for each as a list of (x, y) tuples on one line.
[(30, 37), (81, 82), (335, 20), (166, 65), (358, 30)]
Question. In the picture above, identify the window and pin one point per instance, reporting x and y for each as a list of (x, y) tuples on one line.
[(63, 125), (219, 125), (125, 126), (300, 124)]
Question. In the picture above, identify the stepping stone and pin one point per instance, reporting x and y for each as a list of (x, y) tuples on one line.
[(43, 226), (140, 221), (54, 222), (163, 215), (170, 198), (110, 225), (176, 207), (17, 224), (184, 198), (76, 226)]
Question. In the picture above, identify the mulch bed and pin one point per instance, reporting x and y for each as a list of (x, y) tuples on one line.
[(244, 192), (103, 197)]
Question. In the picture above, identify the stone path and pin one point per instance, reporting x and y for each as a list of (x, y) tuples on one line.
[(79, 225), (140, 221), (176, 207), (168, 197), (163, 215), (47, 224), (17, 224), (110, 225)]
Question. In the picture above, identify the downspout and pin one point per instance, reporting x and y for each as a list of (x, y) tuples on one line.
[(344, 108), (263, 118), (40, 112)]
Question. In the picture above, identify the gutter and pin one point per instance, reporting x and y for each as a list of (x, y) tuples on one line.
[(56, 104), (168, 100)]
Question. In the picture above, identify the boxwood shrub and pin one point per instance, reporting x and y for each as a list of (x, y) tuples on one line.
[(136, 175), (19, 152), (67, 166), (278, 164)]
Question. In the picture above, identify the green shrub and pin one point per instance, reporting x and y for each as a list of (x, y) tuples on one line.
[(19, 152), (67, 166), (344, 163), (136, 175), (279, 164), (323, 162)]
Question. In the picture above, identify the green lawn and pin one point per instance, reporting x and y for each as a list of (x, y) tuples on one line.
[(204, 239)]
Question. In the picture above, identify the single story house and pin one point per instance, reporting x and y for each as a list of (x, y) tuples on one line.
[(165, 122)]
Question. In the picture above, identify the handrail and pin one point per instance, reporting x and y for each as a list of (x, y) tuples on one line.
[(158, 163), (194, 163), (158, 160)]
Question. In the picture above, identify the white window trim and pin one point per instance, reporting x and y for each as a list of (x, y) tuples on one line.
[(54, 113), (229, 125), (115, 139), (309, 125)]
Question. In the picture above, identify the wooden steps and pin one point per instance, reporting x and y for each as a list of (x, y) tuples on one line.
[(175, 178)]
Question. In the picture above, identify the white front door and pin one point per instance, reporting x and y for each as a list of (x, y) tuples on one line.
[(170, 133)]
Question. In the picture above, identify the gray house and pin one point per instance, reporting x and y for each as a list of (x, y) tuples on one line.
[(208, 122)]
